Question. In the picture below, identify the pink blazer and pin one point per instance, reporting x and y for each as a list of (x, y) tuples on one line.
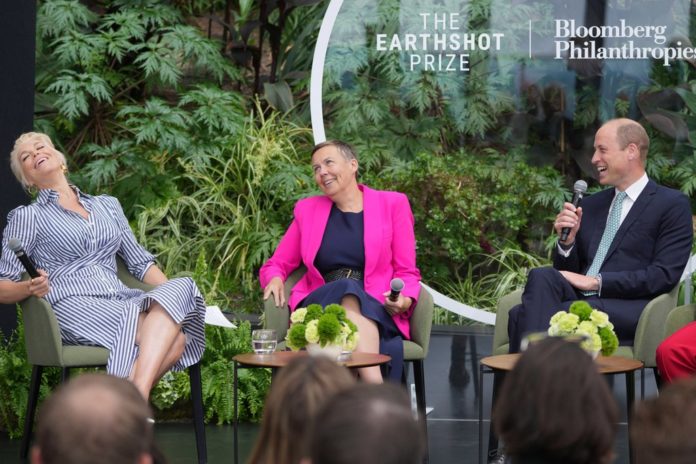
[(390, 248)]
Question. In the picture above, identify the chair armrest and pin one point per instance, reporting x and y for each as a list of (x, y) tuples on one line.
[(680, 317), (276, 318), (651, 326), (279, 318), (41, 333), (501, 341), (422, 320), (128, 279)]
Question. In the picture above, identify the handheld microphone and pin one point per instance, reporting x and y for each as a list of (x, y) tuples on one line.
[(16, 246), (579, 189), (396, 285)]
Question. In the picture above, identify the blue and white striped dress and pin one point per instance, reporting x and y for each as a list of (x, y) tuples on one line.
[(92, 305)]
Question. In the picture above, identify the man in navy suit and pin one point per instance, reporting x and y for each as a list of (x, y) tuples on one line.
[(643, 256)]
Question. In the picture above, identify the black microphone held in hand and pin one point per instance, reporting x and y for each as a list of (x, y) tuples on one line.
[(396, 285), (579, 190), (16, 246)]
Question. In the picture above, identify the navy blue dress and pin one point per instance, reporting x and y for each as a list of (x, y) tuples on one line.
[(343, 247)]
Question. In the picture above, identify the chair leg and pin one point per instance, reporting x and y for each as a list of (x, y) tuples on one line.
[(642, 383), (498, 378), (658, 378), (405, 372), (65, 375), (33, 399), (198, 423), (419, 378), (474, 363)]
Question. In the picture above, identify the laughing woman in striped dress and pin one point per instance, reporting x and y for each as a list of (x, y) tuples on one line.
[(74, 238)]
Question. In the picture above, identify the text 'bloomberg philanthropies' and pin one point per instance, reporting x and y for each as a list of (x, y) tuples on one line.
[(578, 42)]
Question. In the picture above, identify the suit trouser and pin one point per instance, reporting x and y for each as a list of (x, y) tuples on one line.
[(548, 292), (676, 356)]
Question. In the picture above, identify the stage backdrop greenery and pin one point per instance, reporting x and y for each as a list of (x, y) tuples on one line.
[(194, 113)]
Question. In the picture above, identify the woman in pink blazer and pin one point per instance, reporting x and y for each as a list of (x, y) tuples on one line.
[(353, 240)]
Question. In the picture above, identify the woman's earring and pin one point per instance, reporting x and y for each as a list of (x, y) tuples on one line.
[(64, 168)]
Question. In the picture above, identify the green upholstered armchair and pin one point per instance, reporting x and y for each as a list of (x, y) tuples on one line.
[(679, 317), (649, 333), (45, 349), (415, 350)]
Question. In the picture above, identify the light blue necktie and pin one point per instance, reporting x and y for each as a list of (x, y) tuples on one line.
[(613, 223)]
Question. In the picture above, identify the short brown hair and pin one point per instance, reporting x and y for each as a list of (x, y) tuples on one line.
[(554, 405), (367, 424), (296, 395), (343, 148), (94, 418), (663, 428)]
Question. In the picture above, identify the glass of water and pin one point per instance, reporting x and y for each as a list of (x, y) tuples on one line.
[(264, 341)]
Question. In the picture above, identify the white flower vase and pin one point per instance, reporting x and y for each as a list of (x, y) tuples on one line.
[(332, 352)]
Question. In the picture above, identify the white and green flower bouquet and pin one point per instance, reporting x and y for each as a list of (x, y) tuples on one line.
[(593, 325), (323, 327)]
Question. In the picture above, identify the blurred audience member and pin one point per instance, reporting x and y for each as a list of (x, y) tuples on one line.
[(554, 407), (663, 428), (94, 418), (367, 424), (296, 395)]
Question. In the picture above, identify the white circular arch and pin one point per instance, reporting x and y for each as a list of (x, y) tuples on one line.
[(317, 77)]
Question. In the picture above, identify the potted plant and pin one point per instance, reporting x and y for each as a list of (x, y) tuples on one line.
[(320, 330), (593, 325)]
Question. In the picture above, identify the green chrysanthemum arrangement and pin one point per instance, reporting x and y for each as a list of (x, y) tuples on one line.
[(327, 326), (581, 319)]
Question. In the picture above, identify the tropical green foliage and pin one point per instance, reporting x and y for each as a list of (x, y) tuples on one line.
[(450, 192), (237, 203), (15, 377), (14, 380), (130, 91)]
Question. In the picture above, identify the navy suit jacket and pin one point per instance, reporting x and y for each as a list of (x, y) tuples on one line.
[(650, 250)]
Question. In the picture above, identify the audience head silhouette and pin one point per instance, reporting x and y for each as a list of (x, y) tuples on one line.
[(296, 395), (94, 418), (369, 424), (663, 428), (554, 407)]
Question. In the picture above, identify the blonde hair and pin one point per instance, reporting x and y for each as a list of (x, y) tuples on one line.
[(15, 163)]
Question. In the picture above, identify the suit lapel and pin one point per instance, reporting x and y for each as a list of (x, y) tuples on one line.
[(373, 220), (636, 211)]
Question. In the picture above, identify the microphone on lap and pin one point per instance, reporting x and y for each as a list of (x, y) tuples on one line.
[(579, 189), (16, 246), (396, 285)]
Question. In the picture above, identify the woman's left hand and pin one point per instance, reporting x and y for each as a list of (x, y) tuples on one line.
[(399, 306)]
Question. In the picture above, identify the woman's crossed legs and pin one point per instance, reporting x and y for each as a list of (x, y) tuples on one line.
[(161, 344)]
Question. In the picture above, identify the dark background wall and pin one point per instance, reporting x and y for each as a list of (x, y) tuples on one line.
[(17, 44)]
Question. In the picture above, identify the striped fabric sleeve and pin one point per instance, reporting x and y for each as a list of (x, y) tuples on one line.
[(138, 259), (21, 225)]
